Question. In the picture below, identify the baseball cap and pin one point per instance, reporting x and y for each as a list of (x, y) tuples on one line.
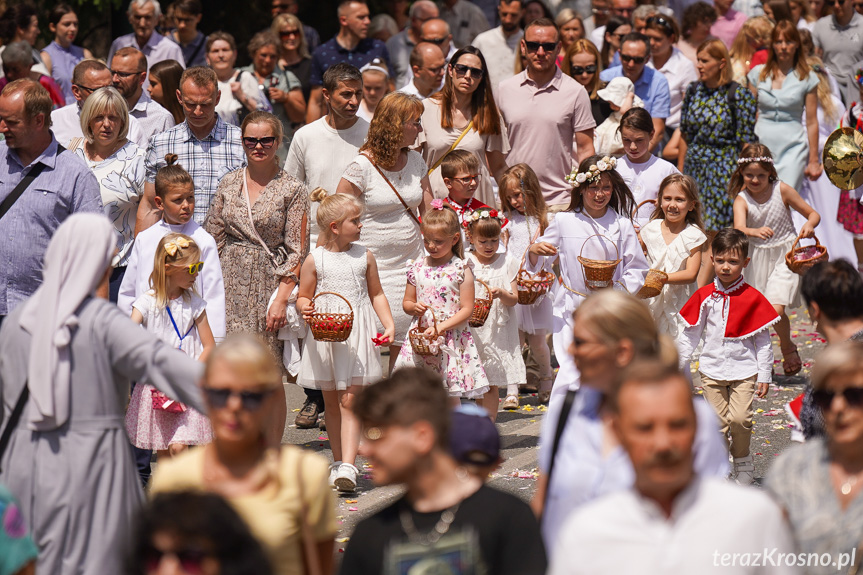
[(473, 436)]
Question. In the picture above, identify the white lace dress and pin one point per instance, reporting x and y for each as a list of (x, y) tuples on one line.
[(389, 232), (537, 316), (767, 272), (670, 258), (355, 361), (497, 339)]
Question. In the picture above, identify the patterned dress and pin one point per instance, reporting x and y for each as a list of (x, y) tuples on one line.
[(458, 361), (715, 131), (250, 275)]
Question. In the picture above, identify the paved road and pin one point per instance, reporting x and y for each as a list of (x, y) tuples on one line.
[(520, 432)]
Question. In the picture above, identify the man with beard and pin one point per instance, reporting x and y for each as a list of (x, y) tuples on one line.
[(500, 44), (672, 520), (128, 73)]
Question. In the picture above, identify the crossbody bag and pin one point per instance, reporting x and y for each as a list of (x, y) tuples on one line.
[(451, 148), (393, 188)]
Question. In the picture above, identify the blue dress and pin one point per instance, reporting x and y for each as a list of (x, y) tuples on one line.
[(715, 125), (779, 125)]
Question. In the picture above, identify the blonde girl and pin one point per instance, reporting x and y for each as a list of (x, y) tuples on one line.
[(522, 201), (340, 369), (442, 283), (497, 339), (762, 211), (177, 315), (753, 36), (673, 241)]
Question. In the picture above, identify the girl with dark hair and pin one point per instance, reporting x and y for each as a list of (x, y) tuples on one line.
[(61, 56), (464, 116), (164, 81), (615, 30), (20, 23)]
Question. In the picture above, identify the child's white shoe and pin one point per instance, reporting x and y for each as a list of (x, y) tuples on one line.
[(346, 478), (744, 470), (334, 471)]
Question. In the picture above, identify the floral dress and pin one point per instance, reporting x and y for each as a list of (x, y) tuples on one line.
[(458, 361), (715, 125)]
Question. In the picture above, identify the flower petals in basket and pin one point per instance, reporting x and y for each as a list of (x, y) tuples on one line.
[(800, 259), (481, 307), (331, 326), (531, 287), (422, 344)]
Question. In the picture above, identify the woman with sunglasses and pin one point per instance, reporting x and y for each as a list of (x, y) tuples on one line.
[(615, 30), (669, 60), (294, 56), (259, 219), (819, 482), (581, 63), (280, 491), (464, 116)]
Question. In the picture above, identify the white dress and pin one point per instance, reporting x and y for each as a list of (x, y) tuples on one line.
[(644, 180), (389, 232), (149, 428), (497, 339), (767, 271), (355, 361), (670, 258), (522, 230)]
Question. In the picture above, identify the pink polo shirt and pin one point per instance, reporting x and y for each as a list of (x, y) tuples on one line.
[(542, 122), (726, 27)]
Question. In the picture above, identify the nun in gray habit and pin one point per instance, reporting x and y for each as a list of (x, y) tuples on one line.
[(69, 462)]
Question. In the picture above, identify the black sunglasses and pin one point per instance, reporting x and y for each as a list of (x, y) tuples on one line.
[(823, 398), (250, 400), (191, 560), (437, 41), (85, 88), (662, 22), (288, 33), (578, 70), (535, 46), (636, 59), (252, 143), (475, 73), (124, 74)]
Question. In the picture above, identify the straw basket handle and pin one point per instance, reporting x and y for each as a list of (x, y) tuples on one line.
[(638, 207), (616, 250), (527, 249), (434, 319), (800, 237), (317, 295), (485, 285)]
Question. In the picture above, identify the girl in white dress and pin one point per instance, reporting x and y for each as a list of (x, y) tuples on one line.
[(597, 225), (340, 369), (176, 315), (762, 211), (642, 171), (522, 201), (673, 242), (497, 339)]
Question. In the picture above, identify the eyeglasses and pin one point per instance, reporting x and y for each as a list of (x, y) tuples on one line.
[(475, 73), (191, 560), (823, 398), (636, 59), (535, 46), (124, 74), (250, 400), (578, 70), (662, 22), (468, 179), (85, 88), (252, 143), (288, 33), (437, 41), (195, 268), (436, 69)]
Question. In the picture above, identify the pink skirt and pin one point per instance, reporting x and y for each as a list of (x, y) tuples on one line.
[(850, 213), (150, 428)]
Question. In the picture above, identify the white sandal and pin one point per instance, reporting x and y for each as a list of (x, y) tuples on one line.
[(511, 402)]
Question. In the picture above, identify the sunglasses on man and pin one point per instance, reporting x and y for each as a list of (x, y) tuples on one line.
[(535, 46), (636, 59)]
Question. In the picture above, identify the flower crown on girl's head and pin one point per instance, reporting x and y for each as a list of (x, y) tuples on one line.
[(741, 161), (593, 173), (477, 215)]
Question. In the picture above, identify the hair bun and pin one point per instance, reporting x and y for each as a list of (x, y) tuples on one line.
[(318, 194), (171, 159)]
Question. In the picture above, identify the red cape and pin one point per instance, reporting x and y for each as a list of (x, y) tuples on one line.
[(748, 310)]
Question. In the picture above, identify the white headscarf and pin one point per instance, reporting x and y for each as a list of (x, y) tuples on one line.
[(75, 261)]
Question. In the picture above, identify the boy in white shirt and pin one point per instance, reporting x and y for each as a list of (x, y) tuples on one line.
[(733, 320)]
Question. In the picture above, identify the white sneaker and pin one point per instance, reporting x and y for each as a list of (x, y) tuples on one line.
[(744, 470), (334, 471), (346, 478)]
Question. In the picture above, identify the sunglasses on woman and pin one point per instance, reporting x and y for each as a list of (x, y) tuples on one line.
[(252, 143), (662, 22), (250, 400), (578, 70), (823, 398), (475, 73), (191, 560)]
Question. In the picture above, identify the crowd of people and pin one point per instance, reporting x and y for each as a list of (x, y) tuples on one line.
[(406, 220)]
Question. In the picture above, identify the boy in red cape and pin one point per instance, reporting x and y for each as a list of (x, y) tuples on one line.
[(733, 319)]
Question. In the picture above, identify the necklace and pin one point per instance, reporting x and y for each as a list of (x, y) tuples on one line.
[(850, 482), (433, 536)]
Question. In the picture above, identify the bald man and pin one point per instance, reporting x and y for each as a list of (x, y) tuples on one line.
[(428, 66), (400, 45)]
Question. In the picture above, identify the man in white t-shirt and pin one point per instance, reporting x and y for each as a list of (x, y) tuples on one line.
[(499, 45), (318, 156)]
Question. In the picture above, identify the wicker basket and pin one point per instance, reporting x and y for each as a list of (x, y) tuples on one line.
[(331, 326), (419, 342), (531, 287), (637, 208), (800, 259), (653, 284), (481, 307), (598, 274)]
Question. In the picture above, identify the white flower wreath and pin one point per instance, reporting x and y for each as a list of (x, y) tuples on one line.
[(593, 173)]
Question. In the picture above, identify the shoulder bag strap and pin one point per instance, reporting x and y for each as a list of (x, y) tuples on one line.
[(313, 565), (451, 148), (558, 433), (14, 418), (730, 96), (21, 187), (393, 188), (252, 221)]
